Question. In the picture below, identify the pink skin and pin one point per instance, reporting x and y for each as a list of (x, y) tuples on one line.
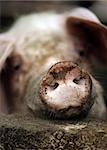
[(66, 87)]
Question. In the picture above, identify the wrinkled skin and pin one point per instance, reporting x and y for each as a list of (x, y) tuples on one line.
[(46, 65)]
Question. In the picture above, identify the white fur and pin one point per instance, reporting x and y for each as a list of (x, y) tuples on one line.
[(48, 21), (37, 22)]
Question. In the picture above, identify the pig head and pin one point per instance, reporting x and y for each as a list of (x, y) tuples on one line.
[(46, 65)]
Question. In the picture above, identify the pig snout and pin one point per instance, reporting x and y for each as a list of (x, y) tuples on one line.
[(66, 90)]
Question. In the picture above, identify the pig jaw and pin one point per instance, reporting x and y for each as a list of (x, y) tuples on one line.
[(66, 91)]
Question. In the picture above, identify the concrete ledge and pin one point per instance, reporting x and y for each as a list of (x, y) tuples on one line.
[(18, 133)]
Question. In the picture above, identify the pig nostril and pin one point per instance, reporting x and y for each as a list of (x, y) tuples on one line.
[(77, 80), (54, 86), (66, 90)]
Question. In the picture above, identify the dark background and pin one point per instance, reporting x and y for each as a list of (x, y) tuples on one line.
[(12, 9)]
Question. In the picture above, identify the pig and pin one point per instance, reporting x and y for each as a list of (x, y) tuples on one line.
[(46, 65)]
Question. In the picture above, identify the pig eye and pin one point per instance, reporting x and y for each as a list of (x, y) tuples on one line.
[(13, 64), (81, 53), (16, 67)]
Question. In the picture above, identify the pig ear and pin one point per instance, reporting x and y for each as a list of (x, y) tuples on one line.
[(87, 34), (6, 48)]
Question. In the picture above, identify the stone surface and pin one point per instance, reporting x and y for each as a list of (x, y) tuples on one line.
[(22, 132)]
